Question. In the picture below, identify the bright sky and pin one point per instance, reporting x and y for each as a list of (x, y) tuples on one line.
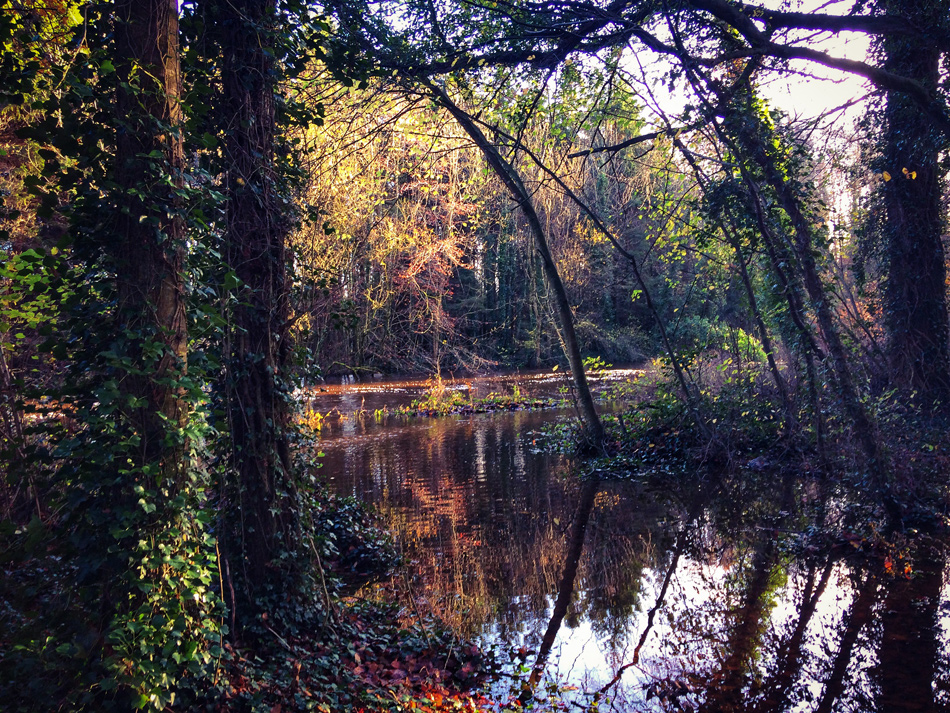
[(810, 91), (820, 89)]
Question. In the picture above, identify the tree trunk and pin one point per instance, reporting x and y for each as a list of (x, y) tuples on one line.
[(261, 511), (149, 244), (593, 428), (690, 395), (139, 463), (916, 273), (749, 141), (732, 237)]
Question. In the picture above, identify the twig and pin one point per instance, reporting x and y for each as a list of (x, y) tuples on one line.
[(323, 583), (412, 602), (217, 664), (282, 641)]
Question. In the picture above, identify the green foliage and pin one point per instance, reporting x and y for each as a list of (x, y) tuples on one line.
[(128, 486), (441, 398), (350, 539), (695, 334), (595, 366), (656, 437)]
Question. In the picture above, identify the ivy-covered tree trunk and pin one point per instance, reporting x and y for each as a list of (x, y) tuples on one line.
[(263, 522), (916, 272), (149, 248), (154, 570)]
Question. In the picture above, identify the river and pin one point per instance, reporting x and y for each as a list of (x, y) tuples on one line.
[(705, 591)]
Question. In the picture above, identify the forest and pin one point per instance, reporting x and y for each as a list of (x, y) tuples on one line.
[(211, 209)]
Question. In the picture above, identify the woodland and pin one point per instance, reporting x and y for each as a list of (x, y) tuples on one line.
[(209, 207)]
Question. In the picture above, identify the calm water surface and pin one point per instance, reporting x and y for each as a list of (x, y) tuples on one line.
[(718, 595)]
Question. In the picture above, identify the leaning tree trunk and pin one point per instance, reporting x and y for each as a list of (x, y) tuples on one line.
[(916, 286), (593, 428), (679, 371), (731, 234), (261, 509)]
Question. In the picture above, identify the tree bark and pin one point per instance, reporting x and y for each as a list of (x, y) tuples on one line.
[(261, 509), (916, 288), (149, 245)]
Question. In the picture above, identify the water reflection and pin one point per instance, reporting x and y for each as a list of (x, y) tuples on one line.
[(565, 588), (703, 594), (478, 509)]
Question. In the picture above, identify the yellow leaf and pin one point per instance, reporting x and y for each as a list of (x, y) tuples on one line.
[(886, 175)]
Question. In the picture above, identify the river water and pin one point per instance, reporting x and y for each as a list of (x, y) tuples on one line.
[(707, 592)]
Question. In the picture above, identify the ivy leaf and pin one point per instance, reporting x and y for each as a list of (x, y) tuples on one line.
[(231, 281)]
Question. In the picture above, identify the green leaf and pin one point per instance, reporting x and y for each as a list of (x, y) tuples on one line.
[(231, 281)]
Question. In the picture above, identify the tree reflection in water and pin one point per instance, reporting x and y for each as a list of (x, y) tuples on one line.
[(742, 592)]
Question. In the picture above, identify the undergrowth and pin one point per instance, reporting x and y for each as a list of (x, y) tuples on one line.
[(326, 654), (443, 400)]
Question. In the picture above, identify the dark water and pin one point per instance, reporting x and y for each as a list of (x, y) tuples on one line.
[(707, 593)]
